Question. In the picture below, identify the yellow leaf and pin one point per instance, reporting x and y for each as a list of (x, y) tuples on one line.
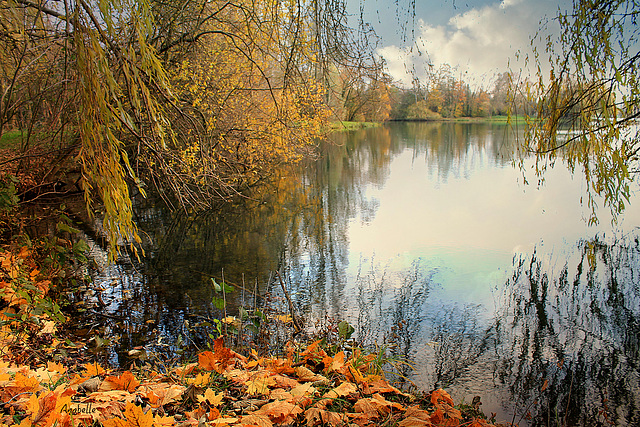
[(134, 417), (49, 327), (212, 397), (303, 390), (284, 318), (223, 422), (260, 385), (93, 369), (200, 380)]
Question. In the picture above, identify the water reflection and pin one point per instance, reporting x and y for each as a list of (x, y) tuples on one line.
[(578, 329), (409, 233)]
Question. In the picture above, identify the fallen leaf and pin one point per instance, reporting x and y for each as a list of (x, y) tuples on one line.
[(222, 422), (344, 389), (414, 422), (440, 394), (92, 370), (126, 382), (307, 375), (256, 420), (134, 417), (260, 385), (376, 405), (201, 380), (317, 416), (219, 359), (163, 394), (280, 412), (212, 397)]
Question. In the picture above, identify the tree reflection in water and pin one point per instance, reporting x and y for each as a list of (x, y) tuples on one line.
[(579, 331)]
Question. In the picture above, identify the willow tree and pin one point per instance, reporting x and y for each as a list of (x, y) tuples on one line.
[(588, 105), (197, 98), (97, 59)]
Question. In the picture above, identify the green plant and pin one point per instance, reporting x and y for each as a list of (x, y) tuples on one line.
[(8, 197)]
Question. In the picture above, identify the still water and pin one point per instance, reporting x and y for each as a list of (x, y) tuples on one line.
[(426, 238)]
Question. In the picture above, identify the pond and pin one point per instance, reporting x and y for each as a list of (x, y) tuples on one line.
[(426, 238)]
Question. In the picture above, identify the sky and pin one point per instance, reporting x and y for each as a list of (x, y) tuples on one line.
[(478, 37)]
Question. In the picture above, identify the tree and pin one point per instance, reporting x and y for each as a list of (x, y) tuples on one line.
[(592, 97), (198, 99)]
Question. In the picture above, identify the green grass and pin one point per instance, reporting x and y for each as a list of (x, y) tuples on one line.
[(506, 119), (11, 138), (340, 126)]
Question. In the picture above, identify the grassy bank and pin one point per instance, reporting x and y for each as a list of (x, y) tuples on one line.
[(11, 139), (346, 126)]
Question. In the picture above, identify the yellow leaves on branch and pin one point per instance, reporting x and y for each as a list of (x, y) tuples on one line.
[(265, 394)]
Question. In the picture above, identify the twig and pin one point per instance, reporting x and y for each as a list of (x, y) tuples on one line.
[(291, 309), (9, 401)]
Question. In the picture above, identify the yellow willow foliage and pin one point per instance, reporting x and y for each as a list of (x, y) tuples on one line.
[(587, 106), (114, 99)]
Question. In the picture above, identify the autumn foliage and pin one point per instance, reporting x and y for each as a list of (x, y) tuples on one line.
[(223, 388)]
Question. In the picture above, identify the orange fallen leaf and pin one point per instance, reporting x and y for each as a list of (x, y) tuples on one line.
[(162, 394), (255, 420), (92, 370), (317, 416), (211, 396), (223, 422), (314, 352), (414, 422), (344, 389), (307, 375), (440, 394), (45, 410), (376, 405), (284, 381), (280, 412), (219, 359), (127, 381), (134, 417)]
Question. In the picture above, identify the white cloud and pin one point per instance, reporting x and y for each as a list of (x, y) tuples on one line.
[(479, 42)]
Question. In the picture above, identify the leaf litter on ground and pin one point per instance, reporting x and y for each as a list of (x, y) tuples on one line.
[(224, 388)]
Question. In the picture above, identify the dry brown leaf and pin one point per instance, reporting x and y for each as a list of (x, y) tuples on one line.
[(414, 422), (284, 381), (161, 394), (307, 375), (376, 405), (255, 420), (317, 416), (440, 394), (280, 394), (280, 412), (344, 389)]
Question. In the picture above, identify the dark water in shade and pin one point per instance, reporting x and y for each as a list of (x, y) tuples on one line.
[(426, 239)]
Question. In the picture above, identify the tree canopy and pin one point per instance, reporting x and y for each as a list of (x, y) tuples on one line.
[(196, 99), (588, 105)]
